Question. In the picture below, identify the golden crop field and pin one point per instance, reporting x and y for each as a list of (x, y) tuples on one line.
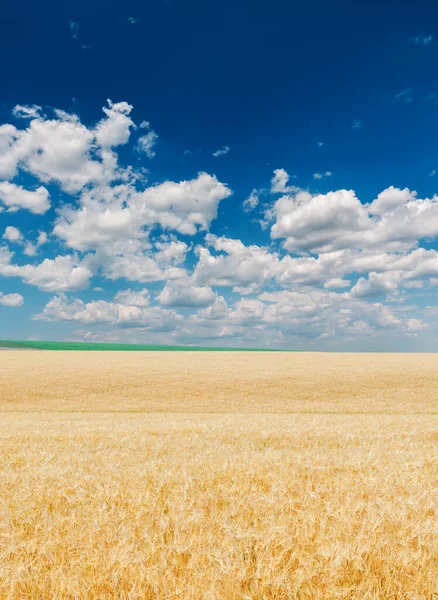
[(252, 476)]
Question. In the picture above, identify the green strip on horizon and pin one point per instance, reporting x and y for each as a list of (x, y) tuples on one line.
[(37, 345)]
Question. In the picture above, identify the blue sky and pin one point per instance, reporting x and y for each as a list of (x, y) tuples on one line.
[(263, 174)]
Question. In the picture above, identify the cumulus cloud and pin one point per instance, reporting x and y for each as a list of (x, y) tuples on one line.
[(16, 197), (12, 234), (245, 268), (107, 215), (336, 283), (65, 151), (133, 298), (279, 183), (153, 318), (11, 299), (183, 292), (31, 249), (171, 252), (63, 273), (335, 268), (396, 220)]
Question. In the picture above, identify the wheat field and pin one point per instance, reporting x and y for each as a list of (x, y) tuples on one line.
[(253, 476)]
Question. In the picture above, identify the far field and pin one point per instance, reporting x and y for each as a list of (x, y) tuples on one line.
[(253, 476)]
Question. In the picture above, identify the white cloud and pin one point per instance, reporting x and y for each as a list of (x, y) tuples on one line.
[(139, 267), (11, 299), (152, 318), (222, 151), (432, 173), (171, 252), (279, 183), (183, 292), (331, 264), (31, 111), (250, 203), (357, 124), (322, 175), (133, 298), (337, 283), (64, 273), (320, 144), (245, 268), (65, 151), (108, 215), (115, 129), (396, 220), (376, 284), (416, 325), (12, 234), (146, 144), (16, 197), (32, 249)]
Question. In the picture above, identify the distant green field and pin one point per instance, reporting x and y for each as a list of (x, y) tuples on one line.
[(120, 347)]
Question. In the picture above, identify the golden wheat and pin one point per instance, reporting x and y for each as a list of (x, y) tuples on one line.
[(203, 492)]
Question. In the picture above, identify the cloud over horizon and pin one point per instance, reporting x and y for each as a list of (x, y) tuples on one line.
[(330, 269)]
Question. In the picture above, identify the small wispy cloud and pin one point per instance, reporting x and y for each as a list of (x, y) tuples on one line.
[(74, 33), (320, 144), (133, 20), (74, 29), (432, 173), (357, 124), (404, 96), (250, 203), (322, 175), (222, 151), (421, 40), (146, 143)]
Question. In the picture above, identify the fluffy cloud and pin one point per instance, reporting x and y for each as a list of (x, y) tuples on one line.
[(132, 298), (395, 221), (64, 273), (335, 269), (63, 150), (138, 267), (171, 252), (16, 197), (279, 183), (108, 215), (12, 234), (245, 268), (11, 299), (31, 249), (154, 318), (183, 293)]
